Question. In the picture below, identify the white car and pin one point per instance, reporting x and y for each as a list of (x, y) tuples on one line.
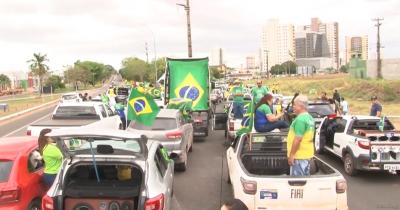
[(259, 173), (72, 97), (232, 124), (358, 141), (111, 170), (72, 115)]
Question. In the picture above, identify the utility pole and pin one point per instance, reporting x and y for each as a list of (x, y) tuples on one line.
[(147, 52), (378, 47), (189, 32)]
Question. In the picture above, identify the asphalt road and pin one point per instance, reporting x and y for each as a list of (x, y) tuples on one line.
[(199, 188)]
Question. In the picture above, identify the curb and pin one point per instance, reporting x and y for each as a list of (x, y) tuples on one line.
[(28, 110)]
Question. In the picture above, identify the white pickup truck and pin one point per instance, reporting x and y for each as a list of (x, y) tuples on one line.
[(358, 141), (259, 173), (72, 115)]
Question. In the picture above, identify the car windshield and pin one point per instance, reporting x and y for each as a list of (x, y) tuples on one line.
[(158, 124), (320, 110), (76, 112), (81, 145), (5, 170), (69, 97)]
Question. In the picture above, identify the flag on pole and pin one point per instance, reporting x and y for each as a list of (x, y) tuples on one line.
[(247, 121), (142, 108)]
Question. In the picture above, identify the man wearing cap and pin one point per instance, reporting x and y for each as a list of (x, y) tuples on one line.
[(259, 91), (376, 107), (238, 93)]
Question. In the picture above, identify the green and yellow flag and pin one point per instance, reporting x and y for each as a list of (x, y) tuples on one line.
[(142, 108), (248, 119), (189, 79)]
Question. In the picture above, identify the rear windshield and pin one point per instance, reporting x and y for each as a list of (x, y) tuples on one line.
[(76, 112), (69, 97), (371, 125), (5, 169), (159, 124), (81, 145), (123, 91), (320, 110), (259, 143)]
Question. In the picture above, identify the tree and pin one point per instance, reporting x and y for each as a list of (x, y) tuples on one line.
[(290, 67), (55, 81), (277, 69), (134, 69), (215, 73), (39, 68), (77, 74), (344, 69), (97, 71), (4, 81)]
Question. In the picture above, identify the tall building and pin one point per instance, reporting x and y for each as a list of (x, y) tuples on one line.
[(250, 63), (309, 44), (356, 47), (278, 44), (217, 57), (330, 39)]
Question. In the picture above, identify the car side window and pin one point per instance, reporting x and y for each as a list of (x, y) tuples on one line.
[(160, 162), (35, 161), (341, 125), (102, 111)]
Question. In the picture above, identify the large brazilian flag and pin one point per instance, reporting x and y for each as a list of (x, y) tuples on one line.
[(189, 79)]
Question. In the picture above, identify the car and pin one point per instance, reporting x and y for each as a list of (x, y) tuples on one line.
[(318, 110), (70, 97), (121, 94), (21, 171), (200, 123), (71, 115), (173, 131), (259, 173), (359, 143), (234, 124), (110, 169)]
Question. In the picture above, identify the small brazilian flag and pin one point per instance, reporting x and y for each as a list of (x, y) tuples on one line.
[(142, 108), (247, 121)]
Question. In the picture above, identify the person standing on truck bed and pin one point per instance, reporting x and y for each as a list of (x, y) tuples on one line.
[(259, 91), (376, 107), (52, 157), (300, 145), (265, 120), (238, 93)]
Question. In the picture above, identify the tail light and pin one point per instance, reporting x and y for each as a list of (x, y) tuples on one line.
[(341, 186), (174, 135), (47, 203), (156, 203), (29, 133), (332, 116), (363, 144), (249, 187), (9, 195), (231, 126)]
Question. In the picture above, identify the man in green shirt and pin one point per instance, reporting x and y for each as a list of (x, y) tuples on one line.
[(238, 93), (259, 91), (300, 146), (52, 157)]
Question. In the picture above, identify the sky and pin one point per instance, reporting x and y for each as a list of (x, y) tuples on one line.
[(108, 31)]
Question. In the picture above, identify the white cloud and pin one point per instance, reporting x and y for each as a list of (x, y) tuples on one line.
[(108, 31)]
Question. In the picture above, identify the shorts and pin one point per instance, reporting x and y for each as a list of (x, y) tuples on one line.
[(300, 168)]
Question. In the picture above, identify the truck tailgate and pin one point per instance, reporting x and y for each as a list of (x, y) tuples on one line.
[(296, 193)]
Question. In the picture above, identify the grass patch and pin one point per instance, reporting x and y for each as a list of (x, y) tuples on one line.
[(23, 104)]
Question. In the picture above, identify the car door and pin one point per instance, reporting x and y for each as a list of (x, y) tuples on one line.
[(166, 170), (317, 139), (32, 176), (340, 136)]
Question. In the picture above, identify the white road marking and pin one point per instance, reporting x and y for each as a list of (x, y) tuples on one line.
[(25, 126)]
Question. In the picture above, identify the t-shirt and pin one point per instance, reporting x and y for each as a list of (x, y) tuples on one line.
[(303, 126), (261, 112), (375, 108), (258, 93), (237, 90), (345, 106), (52, 157)]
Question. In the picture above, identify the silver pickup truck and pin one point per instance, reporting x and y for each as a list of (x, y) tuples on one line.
[(73, 115)]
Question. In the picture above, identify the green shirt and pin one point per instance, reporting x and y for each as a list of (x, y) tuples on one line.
[(265, 109), (237, 90), (303, 126), (52, 157), (258, 93)]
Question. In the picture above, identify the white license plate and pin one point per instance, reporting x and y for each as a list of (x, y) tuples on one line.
[(394, 167), (199, 133)]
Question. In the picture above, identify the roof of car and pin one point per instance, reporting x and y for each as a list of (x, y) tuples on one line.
[(360, 117), (167, 113), (84, 131), (85, 103), (10, 147)]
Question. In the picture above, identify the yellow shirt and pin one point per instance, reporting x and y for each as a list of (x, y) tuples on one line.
[(303, 126)]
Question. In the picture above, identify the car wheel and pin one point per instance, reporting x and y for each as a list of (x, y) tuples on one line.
[(349, 165), (35, 205)]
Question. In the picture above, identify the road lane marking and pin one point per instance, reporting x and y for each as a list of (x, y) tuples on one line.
[(19, 129)]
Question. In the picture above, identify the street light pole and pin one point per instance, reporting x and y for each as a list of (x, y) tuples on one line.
[(189, 32)]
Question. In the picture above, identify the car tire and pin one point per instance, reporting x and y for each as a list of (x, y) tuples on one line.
[(35, 205), (349, 165)]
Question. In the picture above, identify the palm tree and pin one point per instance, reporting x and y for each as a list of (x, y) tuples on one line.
[(39, 68)]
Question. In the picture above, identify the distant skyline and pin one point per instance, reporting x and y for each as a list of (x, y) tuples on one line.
[(108, 31)]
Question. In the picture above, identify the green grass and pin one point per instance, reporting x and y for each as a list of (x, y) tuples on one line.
[(23, 104)]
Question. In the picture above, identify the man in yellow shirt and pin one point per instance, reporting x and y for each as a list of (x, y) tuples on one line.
[(300, 146)]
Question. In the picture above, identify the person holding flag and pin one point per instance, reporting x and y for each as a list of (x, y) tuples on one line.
[(142, 108), (265, 120)]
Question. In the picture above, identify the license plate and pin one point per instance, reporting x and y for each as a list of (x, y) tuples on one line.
[(199, 133), (394, 167)]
